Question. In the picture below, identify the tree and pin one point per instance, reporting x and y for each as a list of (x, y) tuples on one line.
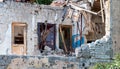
[(113, 65), (46, 2)]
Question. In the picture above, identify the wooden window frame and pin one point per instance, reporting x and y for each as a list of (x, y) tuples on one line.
[(25, 38)]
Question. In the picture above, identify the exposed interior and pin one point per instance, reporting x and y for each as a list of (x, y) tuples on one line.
[(46, 36), (46, 31), (97, 24), (18, 35), (67, 34)]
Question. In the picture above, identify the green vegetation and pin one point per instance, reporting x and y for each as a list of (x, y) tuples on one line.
[(113, 65), (46, 2)]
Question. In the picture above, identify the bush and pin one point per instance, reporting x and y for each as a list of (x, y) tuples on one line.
[(46, 2), (113, 65)]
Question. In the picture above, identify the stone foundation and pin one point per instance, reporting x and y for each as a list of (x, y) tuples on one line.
[(42, 62)]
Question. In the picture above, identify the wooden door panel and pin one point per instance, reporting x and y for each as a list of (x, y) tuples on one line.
[(18, 50), (19, 38)]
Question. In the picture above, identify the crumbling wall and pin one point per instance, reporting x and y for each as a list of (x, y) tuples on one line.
[(42, 62), (101, 50), (115, 10), (27, 13)]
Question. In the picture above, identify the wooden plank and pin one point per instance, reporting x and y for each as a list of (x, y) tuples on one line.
[(71, 37), (63, 40), (25, 40), (80, 9), (69, 26), (101, 3), (18, 50), (18, 24)]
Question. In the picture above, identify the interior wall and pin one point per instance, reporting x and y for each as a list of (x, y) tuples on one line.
[(98, 26)]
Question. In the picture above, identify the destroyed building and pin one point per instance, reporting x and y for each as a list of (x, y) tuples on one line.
[(81, 28), (36, 26)]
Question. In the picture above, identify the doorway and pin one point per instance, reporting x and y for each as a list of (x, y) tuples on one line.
[(19, 38), (65, 38), (46, 35)]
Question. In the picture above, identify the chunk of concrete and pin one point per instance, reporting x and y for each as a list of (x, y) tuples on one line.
[(83, 51)]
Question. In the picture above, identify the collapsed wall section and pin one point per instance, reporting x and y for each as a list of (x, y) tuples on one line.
[(101, 50)]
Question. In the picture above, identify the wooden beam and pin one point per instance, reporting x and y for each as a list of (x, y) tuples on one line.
[(19, 24), (63, 40), (101, 3), (100, 10), (80, 9), (104, 11)]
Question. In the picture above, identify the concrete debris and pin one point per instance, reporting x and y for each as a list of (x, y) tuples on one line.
[(59, 51), (47, 48), (47, 51), (62, 1), (83, 51), (58, 3)]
